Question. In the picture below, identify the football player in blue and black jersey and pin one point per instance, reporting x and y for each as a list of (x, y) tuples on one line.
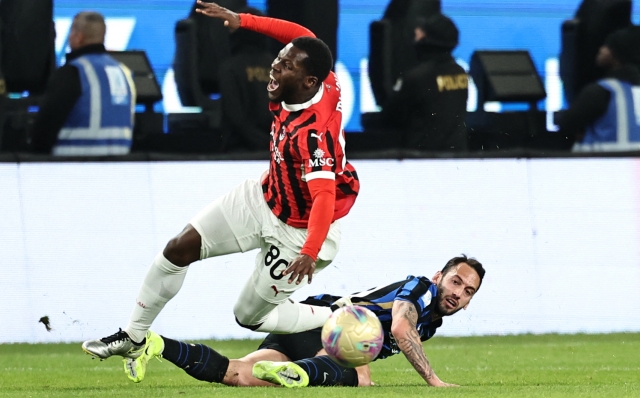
[(410, 311)]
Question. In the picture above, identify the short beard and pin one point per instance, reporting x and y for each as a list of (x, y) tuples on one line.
[(285, 96), (439, 308)]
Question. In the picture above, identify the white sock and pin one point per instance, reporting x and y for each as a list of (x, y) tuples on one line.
[(292, 317), (163, 281)]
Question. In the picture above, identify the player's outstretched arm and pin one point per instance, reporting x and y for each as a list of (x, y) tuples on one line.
[(403, 327), (281, 30)]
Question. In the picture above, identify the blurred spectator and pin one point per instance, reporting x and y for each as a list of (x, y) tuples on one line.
[(606, 115), (582, 38), (430, 102), (244, 76), (89, 104)]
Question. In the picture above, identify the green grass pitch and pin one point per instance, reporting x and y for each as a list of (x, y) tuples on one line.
[(506, 366)]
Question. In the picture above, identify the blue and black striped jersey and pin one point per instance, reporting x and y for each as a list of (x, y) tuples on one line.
[(417, 290)]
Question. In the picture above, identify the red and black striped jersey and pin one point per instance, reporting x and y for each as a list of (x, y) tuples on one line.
[(307, 143)]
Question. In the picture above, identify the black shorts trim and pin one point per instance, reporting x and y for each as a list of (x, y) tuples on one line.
[(295, 346)]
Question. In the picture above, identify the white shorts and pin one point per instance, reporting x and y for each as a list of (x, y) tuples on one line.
[(241, 221)]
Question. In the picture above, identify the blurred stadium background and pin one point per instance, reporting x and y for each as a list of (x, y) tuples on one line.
[(484, 25)]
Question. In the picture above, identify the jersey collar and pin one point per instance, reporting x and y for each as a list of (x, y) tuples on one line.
[(298, 107)]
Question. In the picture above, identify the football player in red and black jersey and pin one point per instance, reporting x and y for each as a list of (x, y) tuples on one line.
[(290, 214)]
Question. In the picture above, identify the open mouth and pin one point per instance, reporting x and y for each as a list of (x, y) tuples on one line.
[(451, 302), (273, 84)]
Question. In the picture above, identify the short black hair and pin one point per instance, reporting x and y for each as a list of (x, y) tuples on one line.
[(319, 61), (472, 262), (91, 24)]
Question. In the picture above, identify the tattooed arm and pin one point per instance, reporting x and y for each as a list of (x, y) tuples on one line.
[(403, 327)]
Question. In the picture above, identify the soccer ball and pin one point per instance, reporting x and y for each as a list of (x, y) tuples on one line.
[(352, 336)]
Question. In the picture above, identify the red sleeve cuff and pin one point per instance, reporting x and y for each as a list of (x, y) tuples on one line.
[(283, 31)]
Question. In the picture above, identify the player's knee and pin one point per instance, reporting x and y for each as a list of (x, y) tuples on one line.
[(242, 313), (246, 323), (245, 317), (184, 249), (177, 253)]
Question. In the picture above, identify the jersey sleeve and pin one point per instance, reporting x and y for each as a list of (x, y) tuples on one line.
[(325, 141), (320, 156), (283, 31), (323, 193), (417, 290)]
